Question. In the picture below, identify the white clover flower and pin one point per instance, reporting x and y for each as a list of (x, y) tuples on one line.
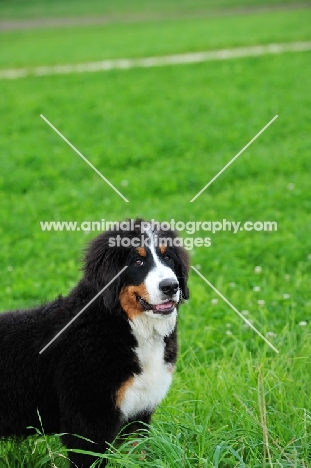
[(261, 302), (214, 301), (10, 268), (228, 332), (232, 285), (287, 277), (286, 296), (271, 334), (244, 312), (257, 270), (256, 288), (124, 183), (290, 186), (303, 323)]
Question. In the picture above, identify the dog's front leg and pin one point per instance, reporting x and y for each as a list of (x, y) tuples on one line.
[(99, 436)]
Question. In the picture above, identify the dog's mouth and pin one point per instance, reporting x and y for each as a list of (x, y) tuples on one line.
[(164, 308)]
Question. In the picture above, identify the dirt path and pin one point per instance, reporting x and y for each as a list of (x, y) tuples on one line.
[(15, 25), (146, 62)]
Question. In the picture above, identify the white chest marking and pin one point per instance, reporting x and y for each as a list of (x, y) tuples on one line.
[(147, 389)]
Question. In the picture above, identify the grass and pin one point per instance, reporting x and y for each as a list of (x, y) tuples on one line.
[(91, 43), (12, 9), (160, 135)]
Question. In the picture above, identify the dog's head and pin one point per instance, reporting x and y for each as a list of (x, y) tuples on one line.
[(155, 280)]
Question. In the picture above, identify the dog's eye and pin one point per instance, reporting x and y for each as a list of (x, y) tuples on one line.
[(139, 262), (167, 258)]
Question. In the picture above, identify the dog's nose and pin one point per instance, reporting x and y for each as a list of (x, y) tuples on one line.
[(169, 286)]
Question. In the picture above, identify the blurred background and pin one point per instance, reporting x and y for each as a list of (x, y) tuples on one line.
[(159, 134)]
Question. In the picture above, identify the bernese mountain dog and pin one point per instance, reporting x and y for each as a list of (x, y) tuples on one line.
[(113, 365)]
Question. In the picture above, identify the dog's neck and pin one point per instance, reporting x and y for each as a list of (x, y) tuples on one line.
[(146, 327)]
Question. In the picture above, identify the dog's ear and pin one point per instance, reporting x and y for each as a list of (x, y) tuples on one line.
[(103, 262), (183, 271)]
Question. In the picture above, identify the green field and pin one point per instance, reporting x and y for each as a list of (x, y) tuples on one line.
[(30, 9), (89, 43), (159, 135)]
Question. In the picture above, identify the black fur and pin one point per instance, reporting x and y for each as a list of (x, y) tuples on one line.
[(73, 383)]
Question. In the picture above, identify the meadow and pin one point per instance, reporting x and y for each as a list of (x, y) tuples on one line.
[(160, 135)]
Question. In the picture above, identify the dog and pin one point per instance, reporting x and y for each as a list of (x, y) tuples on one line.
[(112, 365)]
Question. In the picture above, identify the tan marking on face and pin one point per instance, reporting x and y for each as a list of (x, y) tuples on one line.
[(141, 251), (122, 390), (162, 248), (129, 302)]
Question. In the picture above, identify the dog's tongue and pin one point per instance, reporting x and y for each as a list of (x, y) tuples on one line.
[(165, 306)]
